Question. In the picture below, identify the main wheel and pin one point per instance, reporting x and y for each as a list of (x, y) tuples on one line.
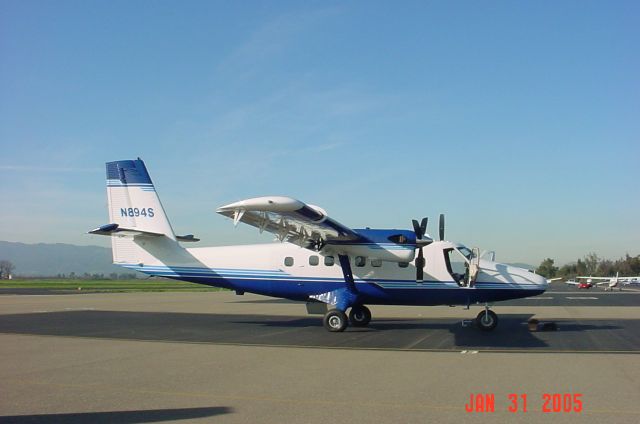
[(487, 320), (360, 316), (335, 320)]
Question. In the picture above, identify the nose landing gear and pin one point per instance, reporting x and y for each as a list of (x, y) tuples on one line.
[(487, 320), (335, 321)]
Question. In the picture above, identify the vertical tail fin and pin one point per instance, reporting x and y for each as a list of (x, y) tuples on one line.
[(143, 234), (133, 201)]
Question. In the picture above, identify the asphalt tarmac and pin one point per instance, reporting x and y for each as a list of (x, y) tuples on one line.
[(204, 357)]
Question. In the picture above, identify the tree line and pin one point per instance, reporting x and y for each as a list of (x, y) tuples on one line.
[(591, 265)]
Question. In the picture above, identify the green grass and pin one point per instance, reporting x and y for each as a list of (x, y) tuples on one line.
[(136, 285)]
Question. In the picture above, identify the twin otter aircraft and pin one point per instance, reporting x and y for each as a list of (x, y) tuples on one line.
[(332, 267)]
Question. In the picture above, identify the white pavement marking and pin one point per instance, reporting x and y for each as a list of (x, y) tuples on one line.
[(581, 297)]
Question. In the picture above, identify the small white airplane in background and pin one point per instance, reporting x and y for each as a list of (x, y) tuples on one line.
[(612, 282), (631, 281)]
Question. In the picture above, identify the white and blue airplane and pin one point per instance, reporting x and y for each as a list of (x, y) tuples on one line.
[(330, 266), (612, 282)]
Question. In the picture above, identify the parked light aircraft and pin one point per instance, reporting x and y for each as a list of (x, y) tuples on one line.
[(612, 282), (318, 260), (580, 284)]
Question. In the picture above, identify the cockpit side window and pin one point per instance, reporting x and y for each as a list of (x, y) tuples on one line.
[(456, 264), (447, 259)]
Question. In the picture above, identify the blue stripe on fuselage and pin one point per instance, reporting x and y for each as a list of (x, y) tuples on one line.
[(277, 283)]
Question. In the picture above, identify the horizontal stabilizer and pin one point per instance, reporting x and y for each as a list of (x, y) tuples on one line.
[(187, 238), (115, 229)]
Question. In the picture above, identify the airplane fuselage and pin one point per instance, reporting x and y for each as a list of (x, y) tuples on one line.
[(288, 271)]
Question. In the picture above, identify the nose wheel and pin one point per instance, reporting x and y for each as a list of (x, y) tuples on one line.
[(487, 320)]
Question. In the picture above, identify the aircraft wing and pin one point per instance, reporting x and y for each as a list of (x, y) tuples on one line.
[(573, 283), (290, 220), (595, 278)]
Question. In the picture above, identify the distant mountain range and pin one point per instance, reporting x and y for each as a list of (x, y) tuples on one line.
[(44, 259)]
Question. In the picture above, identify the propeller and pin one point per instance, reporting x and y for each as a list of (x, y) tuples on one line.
[(420, 229)]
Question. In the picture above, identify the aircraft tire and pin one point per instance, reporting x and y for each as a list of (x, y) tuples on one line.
[(487, 320), (335, 321), (360, 316)]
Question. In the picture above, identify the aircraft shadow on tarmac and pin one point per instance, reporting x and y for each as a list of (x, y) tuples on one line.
[(396, 334), (124, 417)]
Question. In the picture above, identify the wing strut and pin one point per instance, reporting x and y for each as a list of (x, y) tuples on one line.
[(343, 297), (348, 275)]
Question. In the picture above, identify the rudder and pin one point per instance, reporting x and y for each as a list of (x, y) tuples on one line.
[(132, 198)]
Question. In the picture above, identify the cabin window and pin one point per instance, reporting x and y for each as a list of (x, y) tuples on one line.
[(376, 263), (288, 261), (403, 264), (314, 260), (360, 261), (329, 260)]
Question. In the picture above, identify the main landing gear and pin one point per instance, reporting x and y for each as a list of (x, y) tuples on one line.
[(360, 316), (335, 320), (487, 320)]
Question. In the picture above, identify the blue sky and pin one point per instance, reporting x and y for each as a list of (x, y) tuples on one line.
[(519, 120)]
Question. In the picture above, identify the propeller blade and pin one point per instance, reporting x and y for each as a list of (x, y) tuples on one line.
[(420, 266), (423, 226), (441, 226), (416, 229), (420, 228)]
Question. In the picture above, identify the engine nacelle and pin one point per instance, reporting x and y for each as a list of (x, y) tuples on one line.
[(385, 245)]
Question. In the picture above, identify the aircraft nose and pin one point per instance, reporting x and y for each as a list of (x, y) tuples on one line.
[(541, 281)]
